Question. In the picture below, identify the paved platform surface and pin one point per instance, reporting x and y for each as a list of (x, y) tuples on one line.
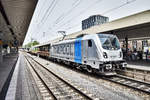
[(22, 85), (139, 64), (6, 70)]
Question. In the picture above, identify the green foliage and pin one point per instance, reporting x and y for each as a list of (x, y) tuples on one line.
[(35, 43), (30, 44)]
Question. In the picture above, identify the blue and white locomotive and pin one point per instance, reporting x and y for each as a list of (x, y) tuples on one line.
[(96, 53)]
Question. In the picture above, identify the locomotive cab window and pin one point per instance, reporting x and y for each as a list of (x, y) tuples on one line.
[(89, 43)]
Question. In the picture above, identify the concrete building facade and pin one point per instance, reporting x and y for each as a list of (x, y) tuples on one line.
[(94, 20)]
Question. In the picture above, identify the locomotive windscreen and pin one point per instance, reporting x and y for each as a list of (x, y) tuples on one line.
[(109, 42)]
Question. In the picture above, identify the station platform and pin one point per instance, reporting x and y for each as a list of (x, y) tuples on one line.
[(139, 64), (22, 85), (6, 71)]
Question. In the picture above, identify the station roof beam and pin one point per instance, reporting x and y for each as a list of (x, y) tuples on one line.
[(15, 17)]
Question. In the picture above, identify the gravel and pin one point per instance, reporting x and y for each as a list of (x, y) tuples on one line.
[(97, 86)]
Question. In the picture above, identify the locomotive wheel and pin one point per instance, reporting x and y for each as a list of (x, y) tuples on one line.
[(79, 67), (89, 69)]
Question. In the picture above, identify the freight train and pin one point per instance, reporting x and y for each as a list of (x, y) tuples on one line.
[(100, 53)]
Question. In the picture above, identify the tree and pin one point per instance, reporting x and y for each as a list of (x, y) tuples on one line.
[(30, 44), (35, 43)]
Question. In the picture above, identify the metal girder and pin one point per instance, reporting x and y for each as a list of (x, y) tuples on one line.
[(15, 17), (2, 10)]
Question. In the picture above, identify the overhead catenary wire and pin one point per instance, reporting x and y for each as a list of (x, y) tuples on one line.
[(40, 12), (115, 8), (49, 12), (59, 19), (81, 12), (76, 1), (75, 4), (46, 12), (41, 9), (108, 11), (63, 14), (74, 17)]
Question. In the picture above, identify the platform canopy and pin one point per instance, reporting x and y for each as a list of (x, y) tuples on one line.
[(15, 17), (138, 22)]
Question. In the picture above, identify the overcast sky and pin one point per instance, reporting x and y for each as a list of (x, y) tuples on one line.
[(51, 16)]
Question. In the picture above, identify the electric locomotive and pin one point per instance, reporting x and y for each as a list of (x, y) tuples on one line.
[(95, 53)]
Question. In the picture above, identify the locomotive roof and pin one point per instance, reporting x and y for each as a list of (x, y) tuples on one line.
[(65, 41), (84, 37)]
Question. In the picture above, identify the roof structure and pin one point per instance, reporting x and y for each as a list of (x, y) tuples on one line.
[(133, 20), (15, 17)]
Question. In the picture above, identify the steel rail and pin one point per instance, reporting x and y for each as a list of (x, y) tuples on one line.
[(61, 79), (41, 79), (136, 74), (129, 82)]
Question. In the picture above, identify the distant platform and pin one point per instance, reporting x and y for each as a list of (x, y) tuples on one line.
[(139, 64)]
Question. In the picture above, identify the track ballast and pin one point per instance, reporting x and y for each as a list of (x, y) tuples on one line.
[(55, 87)]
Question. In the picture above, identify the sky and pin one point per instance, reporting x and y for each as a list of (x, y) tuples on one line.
[(51, 16)]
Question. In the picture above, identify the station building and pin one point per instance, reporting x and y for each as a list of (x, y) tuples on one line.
[(94, 20)]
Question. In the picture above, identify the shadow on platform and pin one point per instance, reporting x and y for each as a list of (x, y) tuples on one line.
[(6, 71)]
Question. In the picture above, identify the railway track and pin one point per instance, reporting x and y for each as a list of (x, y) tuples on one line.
[(130, 82), (53, 87), (43, 88)]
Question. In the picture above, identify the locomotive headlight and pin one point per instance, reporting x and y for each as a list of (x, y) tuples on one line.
[(105, 55)]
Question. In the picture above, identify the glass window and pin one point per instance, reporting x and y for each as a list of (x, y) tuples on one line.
[(89, 43), (109, 42)]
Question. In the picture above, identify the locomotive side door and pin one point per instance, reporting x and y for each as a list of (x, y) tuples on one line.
[(85, 50), (91, 51)]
